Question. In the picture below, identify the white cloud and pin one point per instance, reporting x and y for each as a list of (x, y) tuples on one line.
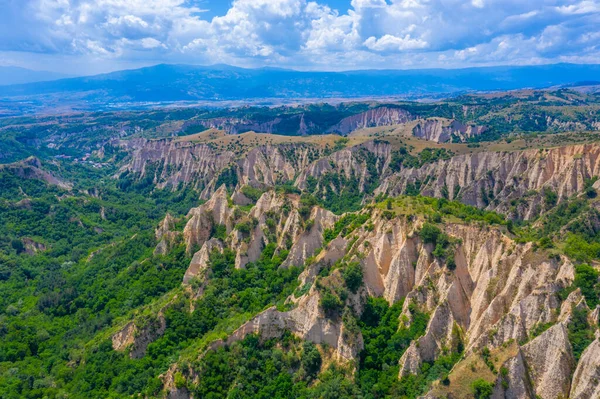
[(150, 43), (306, 33), (393, 43), (583, 7)]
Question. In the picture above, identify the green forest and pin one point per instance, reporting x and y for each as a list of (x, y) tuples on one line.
[(76, 264)]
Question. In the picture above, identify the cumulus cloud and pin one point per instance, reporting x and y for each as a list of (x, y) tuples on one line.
[(306, 34), (394, 43)]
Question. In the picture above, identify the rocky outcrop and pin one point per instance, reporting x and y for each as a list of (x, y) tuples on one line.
[(173, 164), (516, 383), (285, 124), (168, 163), (445, 131), (268, 165), (203, 219), (274, 219), (32, 247), (299, 238), (307, 322), (507, 182), (365, 162), (499, 291), (166, 235), (586, 379), (31, 168), (441, 333), (380, 116), (550, 362), (546, 368), (200, 261), (137, 338), (512, 183), (309, 241), (171, 389)]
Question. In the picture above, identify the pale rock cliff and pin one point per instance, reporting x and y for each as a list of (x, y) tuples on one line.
[(507, 182), (215, 211), (169, 163), (200, 260), (307, 322), (308, 242), (499, 291), (170, 388), (137, 339), (381, 116), (497, 180), (440, 334), (445, 131), (232, 125), (166, 235), (586, 379), (350, 163), (519, 384), (550, 362)]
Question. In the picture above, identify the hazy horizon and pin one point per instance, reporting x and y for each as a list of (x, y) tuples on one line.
[(216, 66)]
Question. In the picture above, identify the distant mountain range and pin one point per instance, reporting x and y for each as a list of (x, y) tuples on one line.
[(14, 76), (174, 83)]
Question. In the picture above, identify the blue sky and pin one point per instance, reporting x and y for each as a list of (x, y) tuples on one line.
[(215, 8), (92, 36)]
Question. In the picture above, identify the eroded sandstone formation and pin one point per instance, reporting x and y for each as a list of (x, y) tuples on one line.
[(508, 182), (497, 292), (512, 183), (381, 116), (445, 131)]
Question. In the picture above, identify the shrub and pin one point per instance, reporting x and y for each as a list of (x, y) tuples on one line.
[(353, 276), (550, 198), (219, 231), (179, 380), (330, 303), (430, 233), (17, 245), (252, 193), (450, 262), (581, 334), (346, 225), (482, 389), (311, 359), (244, 227), (586, 278), (309, 224), (340, 144), (388, 204), (436, 218), (590, 192), (439, 251), (545, 243)]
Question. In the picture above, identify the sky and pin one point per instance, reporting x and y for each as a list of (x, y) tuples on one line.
[(94, 36)]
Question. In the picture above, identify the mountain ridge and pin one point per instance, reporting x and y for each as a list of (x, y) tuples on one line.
[(179, 82)]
